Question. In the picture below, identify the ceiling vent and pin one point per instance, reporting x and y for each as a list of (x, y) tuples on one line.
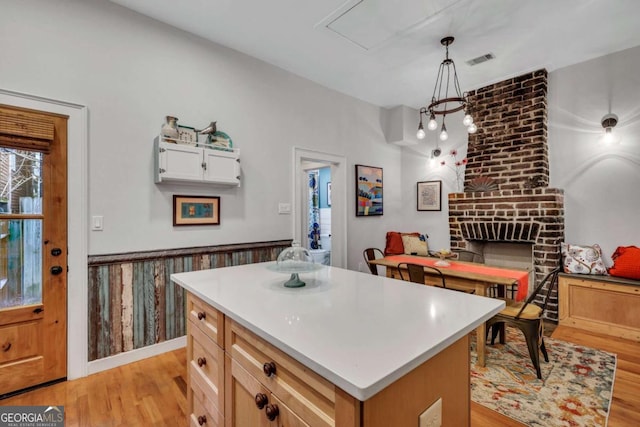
[(480, 59)]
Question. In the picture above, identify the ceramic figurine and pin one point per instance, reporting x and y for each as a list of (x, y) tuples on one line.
[(170, 129), (209, 130)]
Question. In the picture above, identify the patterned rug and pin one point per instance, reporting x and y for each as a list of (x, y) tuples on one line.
[(575, 389)]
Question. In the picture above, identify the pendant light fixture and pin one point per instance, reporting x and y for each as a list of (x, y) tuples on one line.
[(608, 122), (443, 104)]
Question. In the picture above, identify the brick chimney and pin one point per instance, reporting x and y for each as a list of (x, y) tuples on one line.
[(510, 148)]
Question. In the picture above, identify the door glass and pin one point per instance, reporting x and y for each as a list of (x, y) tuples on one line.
[(20, 238)]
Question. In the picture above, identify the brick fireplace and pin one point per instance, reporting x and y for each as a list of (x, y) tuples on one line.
[(510, 150)]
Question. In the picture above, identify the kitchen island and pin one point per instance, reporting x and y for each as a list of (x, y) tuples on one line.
[(348, 349)]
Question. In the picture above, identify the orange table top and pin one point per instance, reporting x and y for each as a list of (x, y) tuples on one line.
[(477, 271)]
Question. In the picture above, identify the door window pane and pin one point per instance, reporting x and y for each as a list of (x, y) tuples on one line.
[(20, 262), (20, 181)]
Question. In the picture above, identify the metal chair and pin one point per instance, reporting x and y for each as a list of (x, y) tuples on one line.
[(527, 317), (469, 256), (418, 274), (370, 254)]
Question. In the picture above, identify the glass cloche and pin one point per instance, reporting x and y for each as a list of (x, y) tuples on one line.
[(294, 260)]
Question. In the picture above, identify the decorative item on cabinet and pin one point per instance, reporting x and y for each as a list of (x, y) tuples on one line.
[(187, 135), (191, 164), (169, 130)]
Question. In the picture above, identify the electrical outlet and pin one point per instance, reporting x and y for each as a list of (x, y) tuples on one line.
[(432, 416)]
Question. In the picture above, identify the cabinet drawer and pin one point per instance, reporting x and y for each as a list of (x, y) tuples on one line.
[(206, 318), (206, 370), (306, 393), (203, 413)]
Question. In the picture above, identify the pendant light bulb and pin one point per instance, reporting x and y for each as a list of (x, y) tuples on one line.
[(432, 125), (472, 128), (421, 134), (467, 120), (444, 135)]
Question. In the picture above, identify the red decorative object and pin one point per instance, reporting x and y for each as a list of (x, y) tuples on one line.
[(626, 262)]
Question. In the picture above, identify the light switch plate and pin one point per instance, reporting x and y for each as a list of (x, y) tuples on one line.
[(284, 208), (97, 223)]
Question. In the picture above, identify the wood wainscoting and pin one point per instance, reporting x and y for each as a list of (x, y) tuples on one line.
[(134, 304)]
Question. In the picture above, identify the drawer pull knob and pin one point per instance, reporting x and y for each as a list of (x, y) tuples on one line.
[(269, 368), (6, 346), (272, 412), (202, 361), (261, 400), (202, 419), (202, 315)]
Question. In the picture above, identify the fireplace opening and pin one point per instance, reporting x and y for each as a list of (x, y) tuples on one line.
[(507, 255)]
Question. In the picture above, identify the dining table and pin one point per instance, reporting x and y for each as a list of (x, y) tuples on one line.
[(462, 275)]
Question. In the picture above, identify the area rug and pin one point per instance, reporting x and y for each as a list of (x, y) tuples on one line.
[(575, 390)]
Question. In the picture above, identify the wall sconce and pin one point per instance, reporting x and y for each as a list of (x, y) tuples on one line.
[(608, 122)]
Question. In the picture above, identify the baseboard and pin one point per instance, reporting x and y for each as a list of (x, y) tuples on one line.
[(135, 355)]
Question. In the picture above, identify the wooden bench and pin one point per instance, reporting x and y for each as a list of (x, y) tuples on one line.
[(602, 304)]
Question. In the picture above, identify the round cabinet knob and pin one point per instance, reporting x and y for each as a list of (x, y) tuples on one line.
[(261, 400), (269, 368), (202, 315), (272, 412), (202, 420), (202, 361)]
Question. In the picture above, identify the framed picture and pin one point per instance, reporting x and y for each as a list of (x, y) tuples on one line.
[(187, 135), (368, 190), (328, 194), (429, 193), (196, 210)]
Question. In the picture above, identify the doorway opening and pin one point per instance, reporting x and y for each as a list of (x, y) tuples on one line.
[(322, 203), (317, 236)]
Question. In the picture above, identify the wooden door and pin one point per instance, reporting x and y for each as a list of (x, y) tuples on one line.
[(33, 248)]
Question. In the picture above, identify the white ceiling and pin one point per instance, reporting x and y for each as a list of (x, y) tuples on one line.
[(387, 52)]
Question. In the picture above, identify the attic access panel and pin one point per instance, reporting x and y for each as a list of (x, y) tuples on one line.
[(372, 23)]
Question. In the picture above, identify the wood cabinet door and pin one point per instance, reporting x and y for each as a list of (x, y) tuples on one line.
[(285, 418), (240, 404), (33, 248)]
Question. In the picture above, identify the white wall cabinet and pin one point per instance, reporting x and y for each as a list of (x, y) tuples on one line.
[(186, 163)]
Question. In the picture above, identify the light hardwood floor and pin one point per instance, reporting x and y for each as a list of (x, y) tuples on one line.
[(152, 392)]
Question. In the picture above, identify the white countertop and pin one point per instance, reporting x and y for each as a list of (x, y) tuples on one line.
[(359, 331)]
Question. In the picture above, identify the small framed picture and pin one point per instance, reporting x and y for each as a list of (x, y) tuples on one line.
[(429, 193), (196, 210), (187, 135), (328, 194)]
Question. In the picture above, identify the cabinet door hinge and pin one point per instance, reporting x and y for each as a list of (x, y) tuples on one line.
[(162, 150), (161, 170), (204, 166)]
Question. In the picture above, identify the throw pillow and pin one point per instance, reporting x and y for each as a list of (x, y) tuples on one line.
[(415, 245), (626, 262), (582, 259), (394, 245)]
